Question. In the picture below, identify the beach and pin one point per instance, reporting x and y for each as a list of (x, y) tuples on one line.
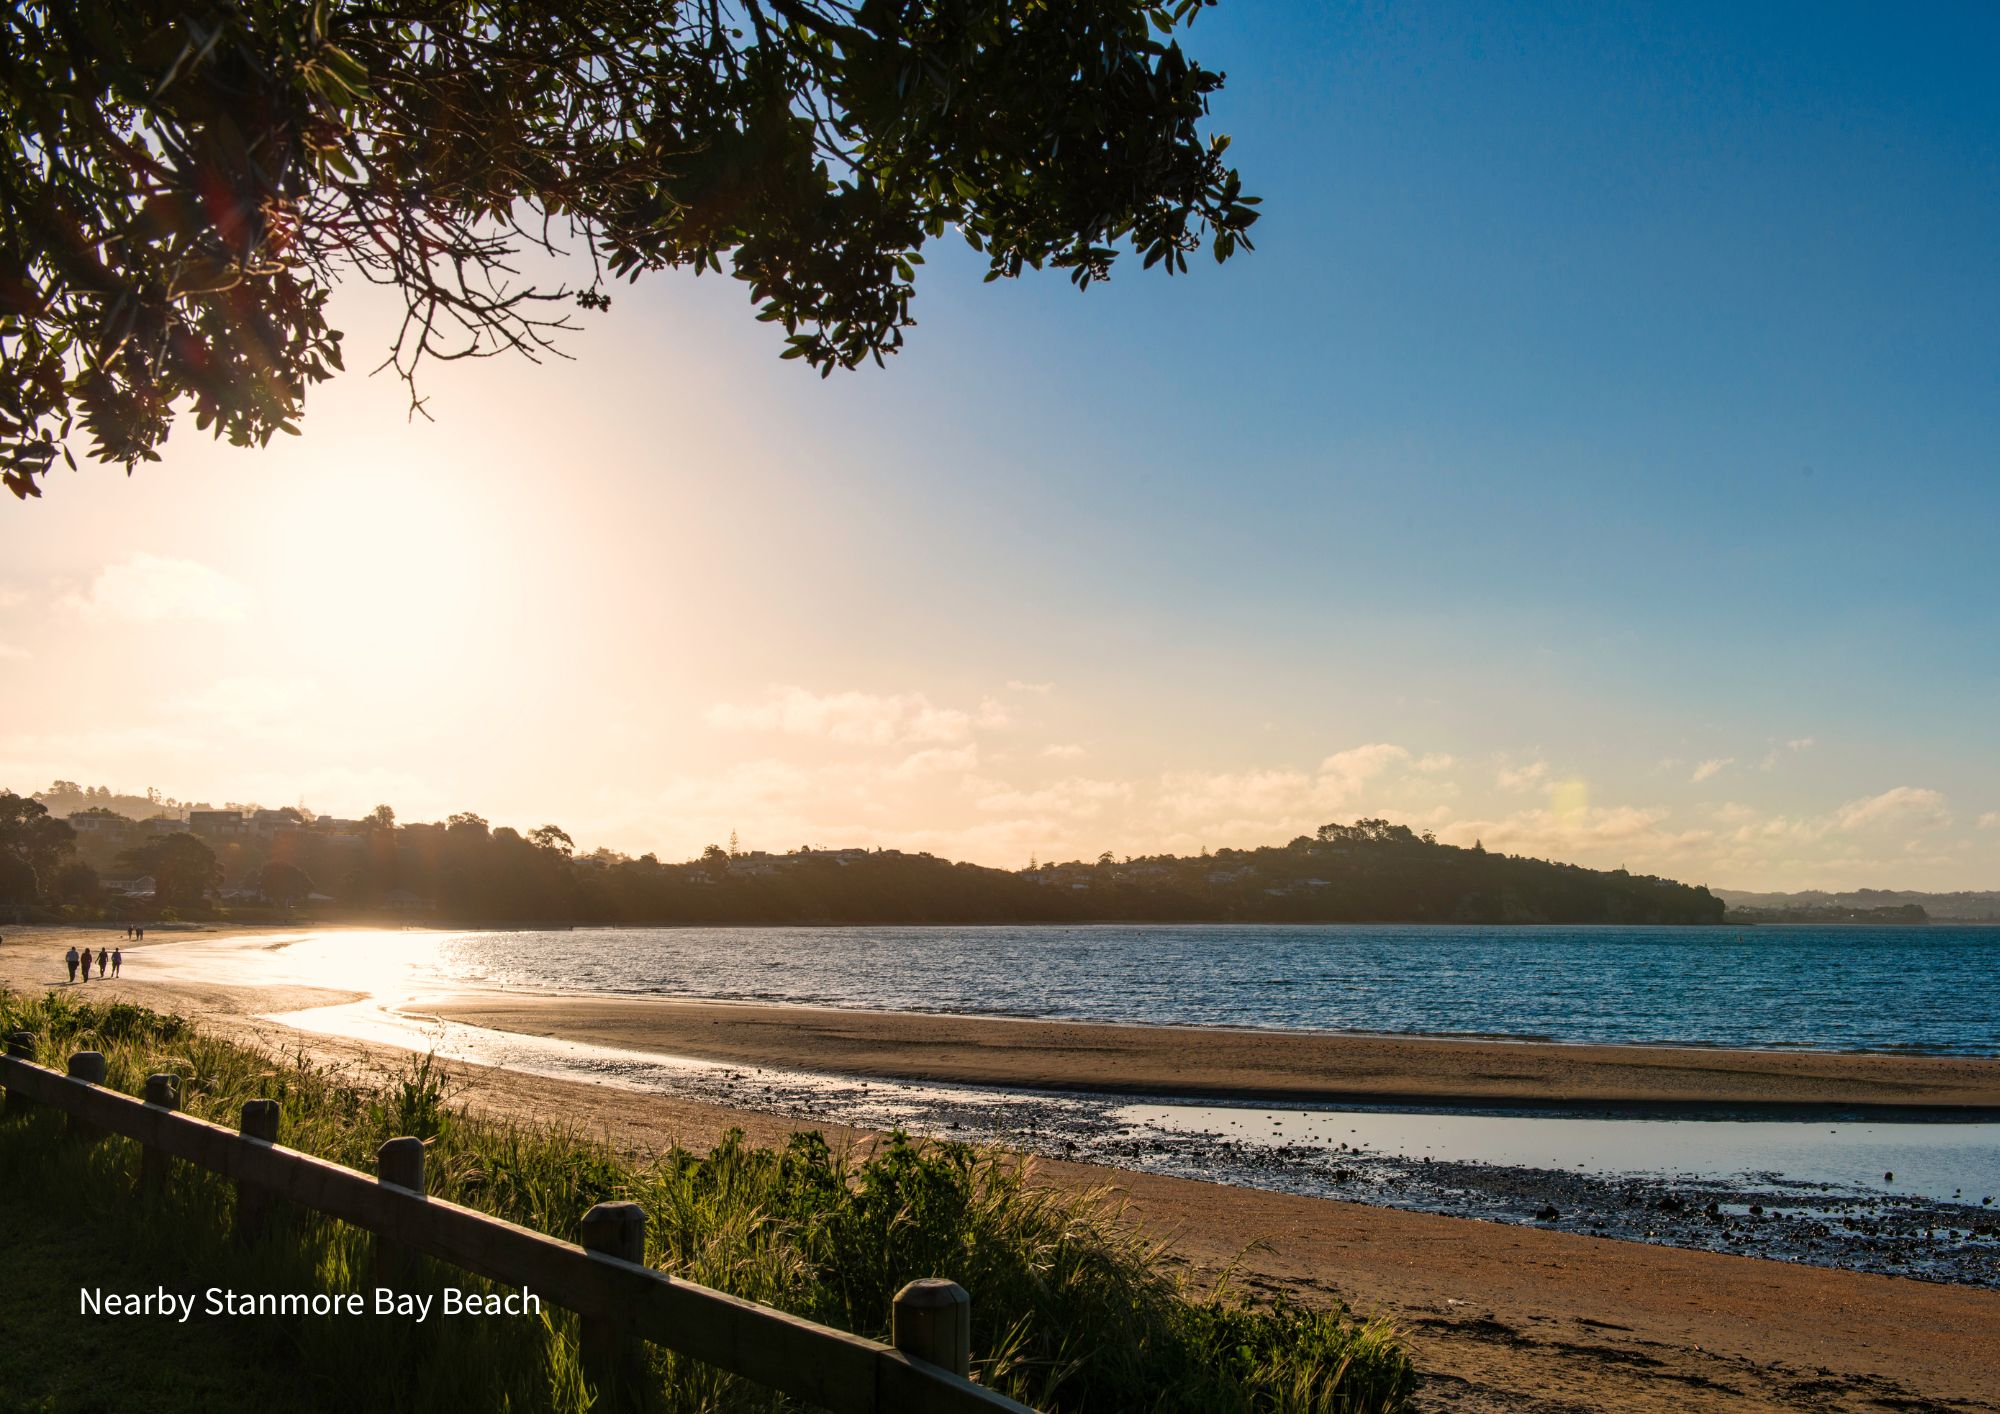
[(1499, 1316), (1242, 1063)]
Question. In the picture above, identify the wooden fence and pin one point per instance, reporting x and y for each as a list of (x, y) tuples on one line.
[(621, 1301)]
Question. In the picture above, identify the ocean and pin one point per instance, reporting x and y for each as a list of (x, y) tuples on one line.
[(1913, 989)]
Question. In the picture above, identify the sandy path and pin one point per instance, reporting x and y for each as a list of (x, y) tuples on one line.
[(1500, 1317)]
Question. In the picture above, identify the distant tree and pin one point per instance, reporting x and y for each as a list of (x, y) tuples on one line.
[(552, 837), (17, 881), (283, 883), (380, 818), (77, 882), (466, 823), (35, 839), (184, 869), (182, 183)]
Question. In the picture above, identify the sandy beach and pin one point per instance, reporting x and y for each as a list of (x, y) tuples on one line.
[(1314, 1067), (1500, 1317)]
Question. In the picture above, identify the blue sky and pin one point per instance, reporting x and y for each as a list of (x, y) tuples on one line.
[(1613, 393)]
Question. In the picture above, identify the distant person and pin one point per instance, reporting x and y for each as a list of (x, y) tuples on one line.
[(86, 964), (117, 960), (70, 958), (103, 963), (142, 934)]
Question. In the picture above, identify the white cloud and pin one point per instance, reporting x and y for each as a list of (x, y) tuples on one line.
[(1990, 820), (1711, 768), (1522, 777), (156, 589), (856, 718), (1040, 689), (1261, 803), (935, 761), (1564, 832), (247, 703), (1905, 805), (8, 652), (1076, 797), (1065, 751), (1778, 753)]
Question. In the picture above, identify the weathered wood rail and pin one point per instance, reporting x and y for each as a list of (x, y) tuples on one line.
[(621, 1301)]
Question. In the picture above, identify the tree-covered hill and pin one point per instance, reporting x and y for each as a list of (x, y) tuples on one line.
[(465, 870)]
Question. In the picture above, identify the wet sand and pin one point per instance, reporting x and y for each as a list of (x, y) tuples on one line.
[(1312, 1067), (1500, 1317)]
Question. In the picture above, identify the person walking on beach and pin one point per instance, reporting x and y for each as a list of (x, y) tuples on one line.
[(70, 958), (117, 960), (103, 963), (86, 964)]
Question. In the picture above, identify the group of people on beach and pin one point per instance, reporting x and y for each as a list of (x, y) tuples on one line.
[(109, 961)]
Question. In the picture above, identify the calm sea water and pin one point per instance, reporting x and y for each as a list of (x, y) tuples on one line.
[(1931, 989)]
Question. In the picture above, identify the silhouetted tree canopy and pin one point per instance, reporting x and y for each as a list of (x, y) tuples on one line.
[(184, 870), (32, 842), (283, 883), (183, 181)]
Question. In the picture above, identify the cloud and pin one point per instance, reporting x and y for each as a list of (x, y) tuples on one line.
[(1065, 751), (9, 653), (1778, 753), (856, 718), (1265, 802), (1564, 831), (155, 589), (1711, 768), (1905, 805), (1075, 798), (1040, 689), (935, 761), (1522, 777), (247, 703), (1990, 820)]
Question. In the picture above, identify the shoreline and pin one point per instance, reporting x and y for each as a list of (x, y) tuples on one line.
[(1250, 1064), (1501, 1317), (1221, 1062)]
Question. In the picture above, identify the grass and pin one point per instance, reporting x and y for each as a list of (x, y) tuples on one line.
[(1072, 1310)]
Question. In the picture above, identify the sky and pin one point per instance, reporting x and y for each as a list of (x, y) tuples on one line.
[(1596, 458)]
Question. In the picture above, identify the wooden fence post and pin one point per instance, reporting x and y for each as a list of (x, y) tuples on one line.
[(253, 1204), (400, 1163), (87, 1066), (614, 1361), (164, 1091), (21, 1046), (932, 1320)]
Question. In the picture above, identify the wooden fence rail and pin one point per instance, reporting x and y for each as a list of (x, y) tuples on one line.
[(621, 1300)]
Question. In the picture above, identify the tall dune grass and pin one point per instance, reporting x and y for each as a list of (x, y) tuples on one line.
[(1072, 1308)]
